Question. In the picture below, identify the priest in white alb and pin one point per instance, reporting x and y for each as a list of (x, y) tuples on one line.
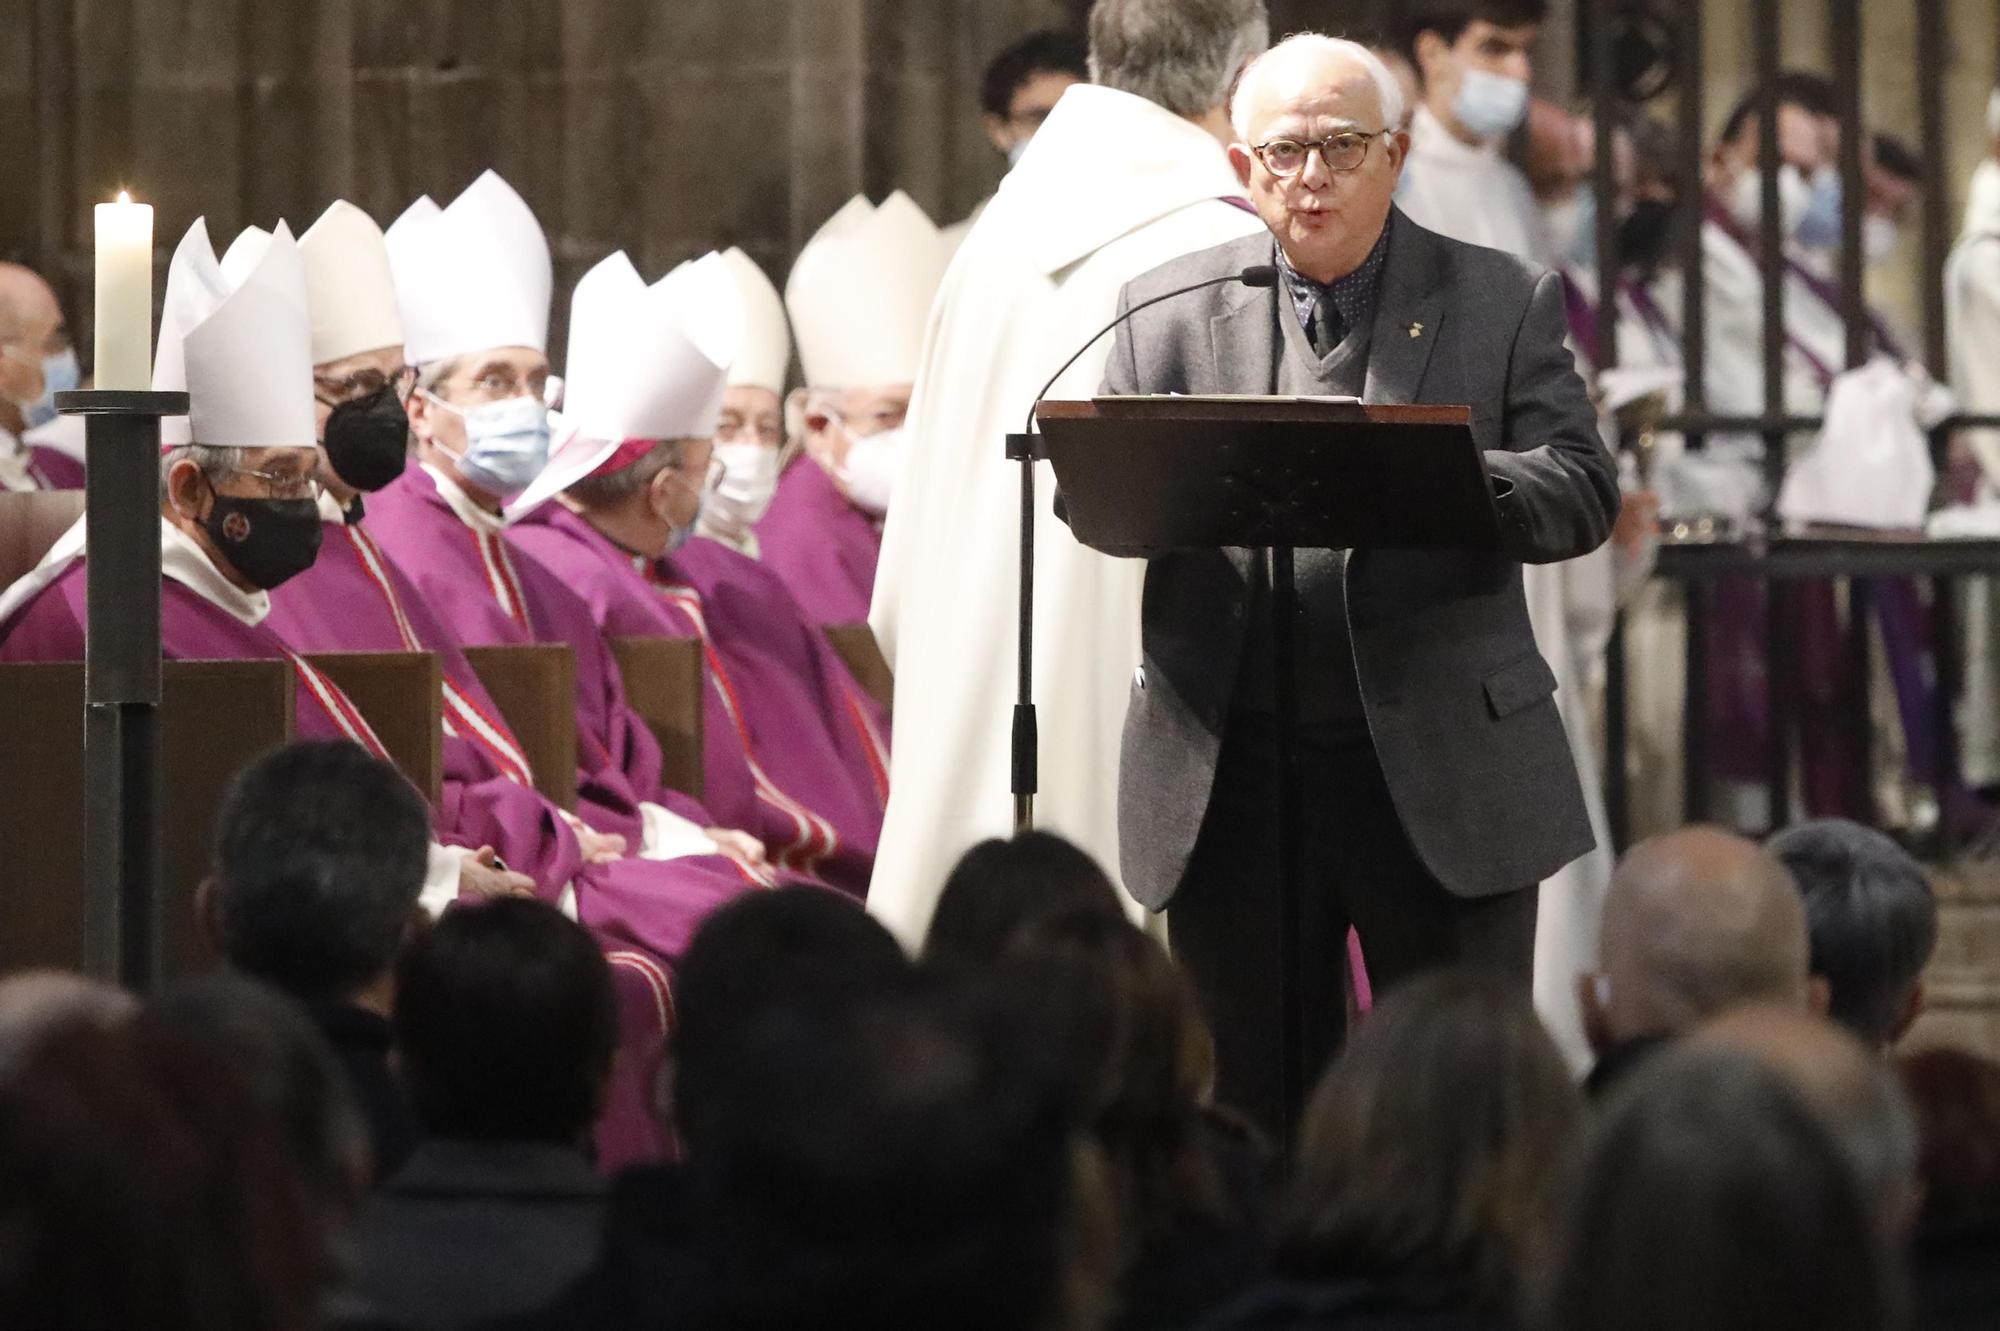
[(1126, 173)]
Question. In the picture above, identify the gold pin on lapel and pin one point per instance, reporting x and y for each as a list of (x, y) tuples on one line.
[(1416, 330)]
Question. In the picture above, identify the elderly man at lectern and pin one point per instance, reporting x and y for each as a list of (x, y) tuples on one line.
[(1436, 782)]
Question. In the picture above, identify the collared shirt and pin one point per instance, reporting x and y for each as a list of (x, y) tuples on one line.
[(1353, 296)]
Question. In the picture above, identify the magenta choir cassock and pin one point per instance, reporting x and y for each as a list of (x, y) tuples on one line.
[(820, 545), (485, 592), (643, 913), (794, 751)]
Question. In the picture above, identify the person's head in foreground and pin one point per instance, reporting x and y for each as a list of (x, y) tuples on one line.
[(1022, 84), (1475, 58), (319, 859), (38, 1006), (1181, 55), (1425, 1158), (1872, 918), (787, 952), (1318, 148), (1141, 1062), (1856, 1094), (142, 1184), (1696, 922), (1711, 1196), (505, 1024), (904, 1160), (288, 1069), (999, 887)]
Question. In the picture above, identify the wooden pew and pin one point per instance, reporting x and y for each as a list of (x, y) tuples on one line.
[(401, 694), (664, 678), (29, 525), (534, 686), (215, 717), (863, 657)]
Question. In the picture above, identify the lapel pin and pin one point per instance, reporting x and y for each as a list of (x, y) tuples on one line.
[(1416, 330)]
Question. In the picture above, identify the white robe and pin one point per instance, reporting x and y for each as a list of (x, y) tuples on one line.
[(1111, 187), (1972, 311), (1472, 193)]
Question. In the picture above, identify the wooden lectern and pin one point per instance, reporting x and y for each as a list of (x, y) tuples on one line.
[(1139, 476)]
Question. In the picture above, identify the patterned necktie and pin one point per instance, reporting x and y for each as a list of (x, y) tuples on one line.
[(1328, 328)]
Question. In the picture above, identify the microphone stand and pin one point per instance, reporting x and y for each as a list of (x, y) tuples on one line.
[(1027, 448)]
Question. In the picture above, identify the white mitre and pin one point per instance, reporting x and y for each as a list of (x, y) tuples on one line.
[(471, 275), (767, 338), (237, 340), (645, 363), (350, 290), (860, 294)]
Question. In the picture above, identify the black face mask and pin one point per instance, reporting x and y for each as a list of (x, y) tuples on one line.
[(268, 541), (367, 440), (1643, 234)]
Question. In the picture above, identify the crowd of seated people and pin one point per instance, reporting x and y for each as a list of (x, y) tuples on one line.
[(370, 1118)]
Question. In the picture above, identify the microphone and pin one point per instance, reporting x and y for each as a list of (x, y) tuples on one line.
[(1021, 448), (1256, 275)]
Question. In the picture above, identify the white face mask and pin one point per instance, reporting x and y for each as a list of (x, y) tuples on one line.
[(869, 474), (1795, 194), (749, 482), (506, 443), (1878, 238), (1488, 104)]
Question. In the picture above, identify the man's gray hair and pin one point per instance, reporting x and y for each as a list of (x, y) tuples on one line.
[(1299, 43), (1180, 54), (214, 462)]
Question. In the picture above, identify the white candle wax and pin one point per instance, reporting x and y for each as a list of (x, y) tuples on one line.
[(124, 341)]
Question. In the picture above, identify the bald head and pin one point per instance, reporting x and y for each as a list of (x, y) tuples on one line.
[(1697, 922), (1854, 1092), (31, 330), (1310, 66)]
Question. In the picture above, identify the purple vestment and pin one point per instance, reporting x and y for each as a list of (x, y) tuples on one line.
[(793, 751), (820, 545)]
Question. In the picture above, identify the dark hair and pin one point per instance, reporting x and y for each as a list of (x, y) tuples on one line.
[(1450, 18), (794, 949), (287, 1067), (604, 489), (1050, 51), (904, 1161), (999, 887), (1815, 94), (1871, 915), (1956, 1096), (1898, 158), (1140, 1061), (320, 854), (1710, 1197), (1426, 1152), (140, 1185), (505, 1023)]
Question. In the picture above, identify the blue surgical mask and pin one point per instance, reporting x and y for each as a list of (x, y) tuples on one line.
[(1490, 104), (60, 374), (1819, 228), (506, 444)]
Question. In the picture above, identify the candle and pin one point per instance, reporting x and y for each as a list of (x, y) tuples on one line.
[(124, 343)]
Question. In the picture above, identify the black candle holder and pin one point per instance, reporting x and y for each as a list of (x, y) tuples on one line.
[(122, 902)]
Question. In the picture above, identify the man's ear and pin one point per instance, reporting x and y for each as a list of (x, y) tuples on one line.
[(996, 130), (1398, 145), (1431, 47), (1243, 160), (184, 489), (1914, 1004), (208, 913), (1819, 996)]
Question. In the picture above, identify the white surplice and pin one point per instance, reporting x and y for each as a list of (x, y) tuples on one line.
[(1472, 193), (1972, 311), (1111, 187)]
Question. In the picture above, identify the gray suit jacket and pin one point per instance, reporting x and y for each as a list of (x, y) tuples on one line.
[(1458, 700)]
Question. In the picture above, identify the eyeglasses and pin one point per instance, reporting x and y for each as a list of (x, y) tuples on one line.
[(283, 486), (1285, 158), (365, 382), (500, 383)]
